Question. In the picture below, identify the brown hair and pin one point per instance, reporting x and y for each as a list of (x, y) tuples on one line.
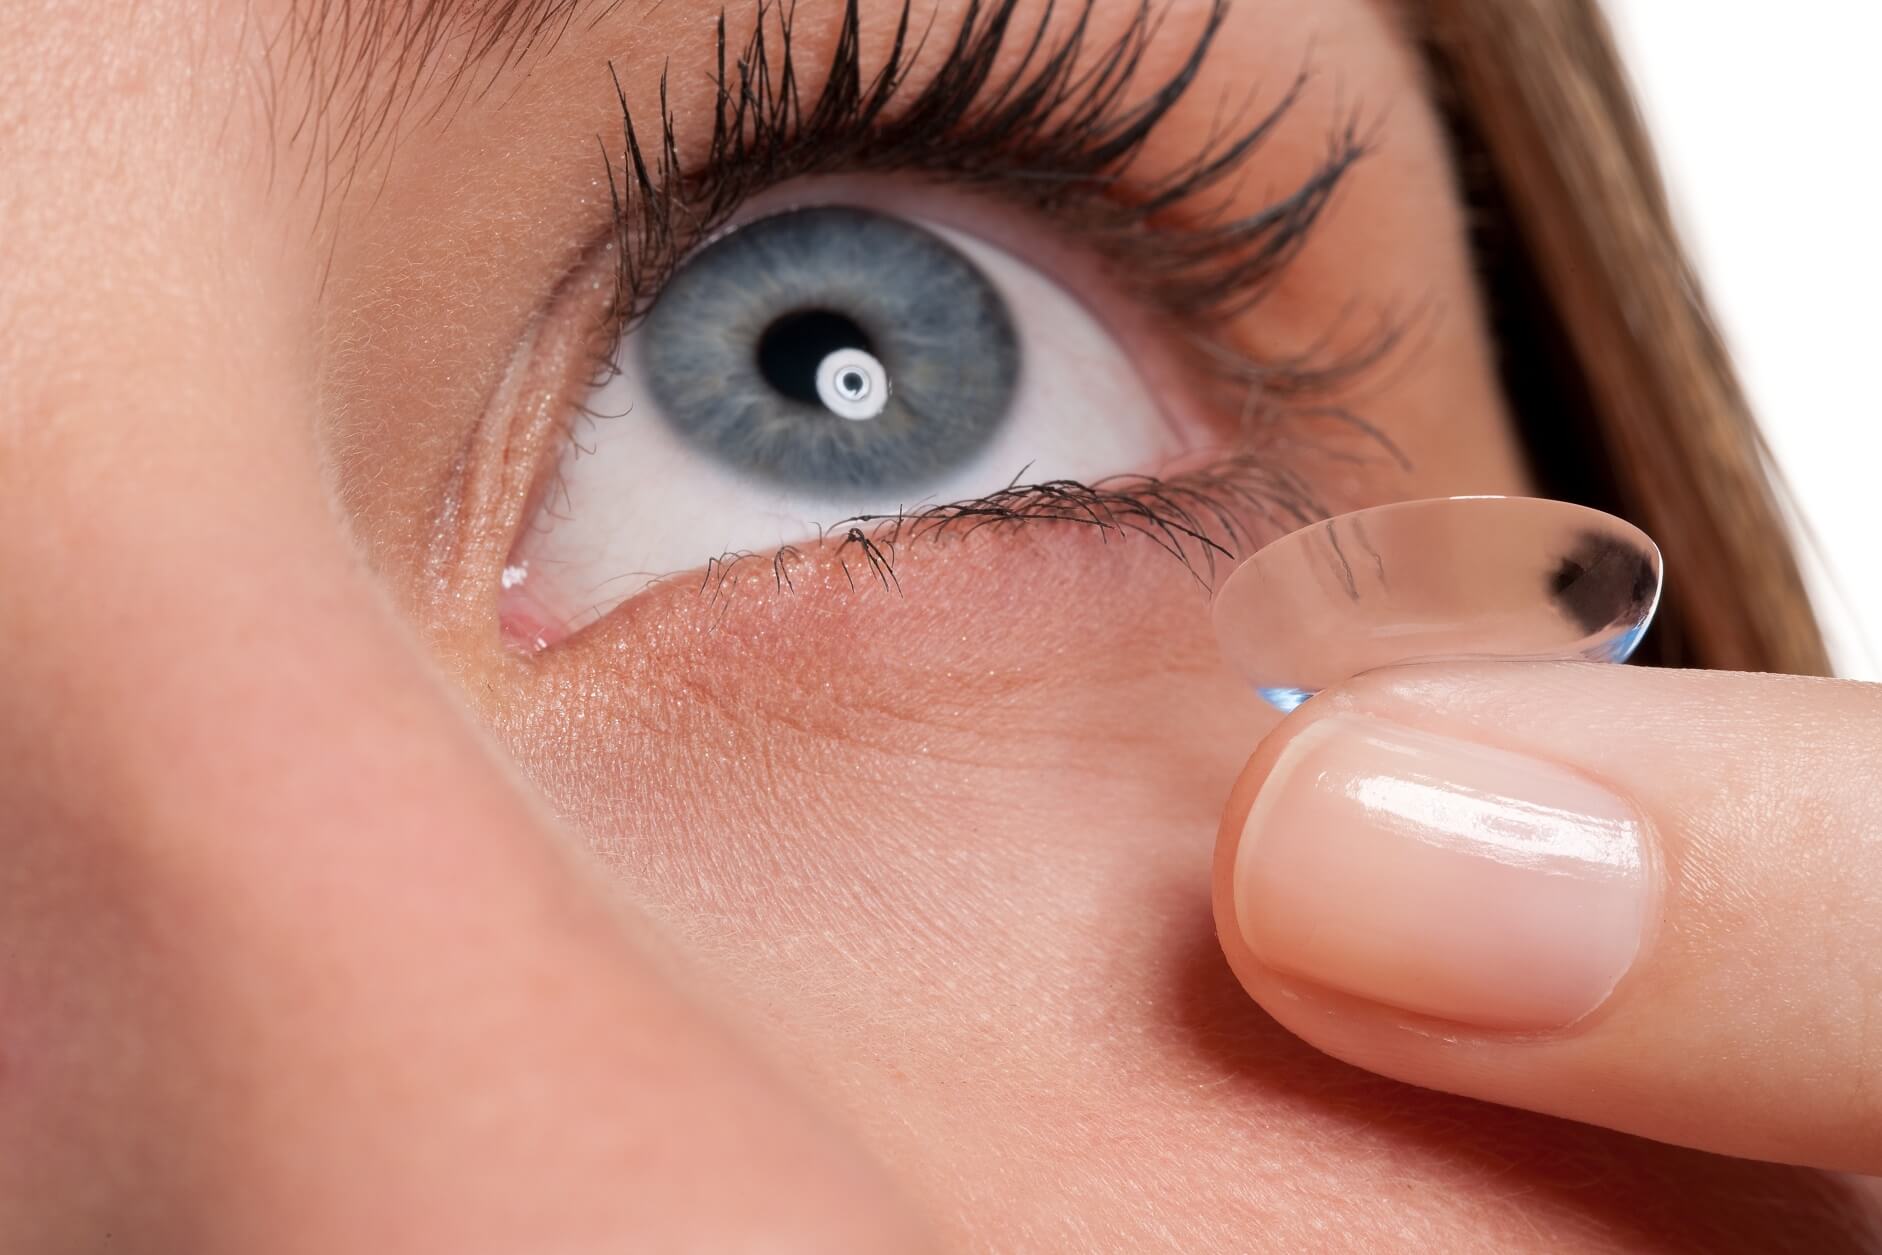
[(1622, 387)]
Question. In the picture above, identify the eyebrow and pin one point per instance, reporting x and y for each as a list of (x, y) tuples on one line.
[(360, 63)]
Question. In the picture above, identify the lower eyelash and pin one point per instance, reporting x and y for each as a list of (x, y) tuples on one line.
[(1196, 517), (1199, 517)]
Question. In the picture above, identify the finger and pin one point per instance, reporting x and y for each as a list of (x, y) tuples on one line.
[(1646, 899)]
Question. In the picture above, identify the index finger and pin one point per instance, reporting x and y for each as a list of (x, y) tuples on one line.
[(1650, 900)]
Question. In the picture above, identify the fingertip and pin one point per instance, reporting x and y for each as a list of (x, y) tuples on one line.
[(1570, 889)]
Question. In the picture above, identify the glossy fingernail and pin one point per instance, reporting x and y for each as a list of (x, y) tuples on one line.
[(1442, 876)]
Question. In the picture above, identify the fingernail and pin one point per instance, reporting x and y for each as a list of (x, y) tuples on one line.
[(1442, 876)]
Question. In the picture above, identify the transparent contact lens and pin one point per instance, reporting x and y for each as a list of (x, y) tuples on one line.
[(1446, 579)]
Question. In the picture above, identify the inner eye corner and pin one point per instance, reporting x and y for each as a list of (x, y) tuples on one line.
[(539, 415)]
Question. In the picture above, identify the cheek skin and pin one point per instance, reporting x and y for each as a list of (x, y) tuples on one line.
[(790, 707), (947, 855)]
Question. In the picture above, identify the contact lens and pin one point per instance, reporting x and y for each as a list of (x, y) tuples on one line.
[(1451, 578)]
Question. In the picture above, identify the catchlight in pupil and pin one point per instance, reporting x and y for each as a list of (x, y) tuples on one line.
[(852, 384)]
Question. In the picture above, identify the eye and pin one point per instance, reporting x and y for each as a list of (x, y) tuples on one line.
[(825, 362)]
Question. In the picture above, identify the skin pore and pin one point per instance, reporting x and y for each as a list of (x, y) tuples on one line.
[(854, 914)]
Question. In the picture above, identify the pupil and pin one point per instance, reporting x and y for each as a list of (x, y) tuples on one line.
[(791, 349), (852, 382)]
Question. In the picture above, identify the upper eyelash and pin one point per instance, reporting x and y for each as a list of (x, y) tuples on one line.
[(1051, 132)]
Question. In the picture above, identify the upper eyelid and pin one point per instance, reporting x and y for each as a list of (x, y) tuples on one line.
[(1060, 129), (1208, 270)]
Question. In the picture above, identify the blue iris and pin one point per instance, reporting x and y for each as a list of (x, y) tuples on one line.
[(731, 350)]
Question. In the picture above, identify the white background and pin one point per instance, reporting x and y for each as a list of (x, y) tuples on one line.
[(1769, 123)]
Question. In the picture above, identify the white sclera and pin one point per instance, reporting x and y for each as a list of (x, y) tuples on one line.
[(852, 384), (1449, 578)]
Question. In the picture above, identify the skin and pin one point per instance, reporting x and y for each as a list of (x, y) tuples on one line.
[(836, 921)]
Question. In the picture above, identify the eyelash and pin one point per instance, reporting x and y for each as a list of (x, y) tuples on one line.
[(1056, 136)]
